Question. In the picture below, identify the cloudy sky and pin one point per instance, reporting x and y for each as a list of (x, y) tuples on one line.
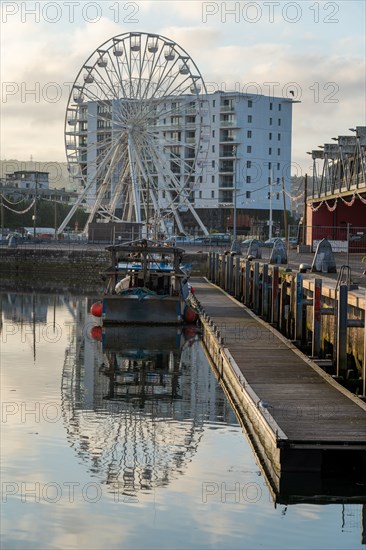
[(316, 48)]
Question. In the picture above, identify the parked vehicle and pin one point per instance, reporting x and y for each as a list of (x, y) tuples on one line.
[(269, 242), (218, 239), (248, 241), (175, 240)]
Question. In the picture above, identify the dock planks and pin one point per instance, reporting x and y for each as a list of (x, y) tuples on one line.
[(306, 403)]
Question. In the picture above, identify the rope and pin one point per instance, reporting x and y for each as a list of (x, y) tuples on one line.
[(21, 211)]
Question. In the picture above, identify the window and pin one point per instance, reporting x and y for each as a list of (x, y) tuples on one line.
[(200, 194), (270, 106), (213, 164), (163, 194), (247, 194), (213, 118), (213, 148), (214, 103), (249, 148), (279, 106), (213, 133), (270, 121), (278, 181), (270, 151), (268, 196), (278, 151), (279, 122), (270, 135), (249, 163), (249, 133), (278, 196), (212, 194), (213, 179), (248, 179), (250, 103), (269, 165), (279, 137), (250, 118), (278, 166)]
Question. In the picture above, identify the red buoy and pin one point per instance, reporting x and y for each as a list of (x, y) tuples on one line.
[(97, 309), (96, 333), (190, 316)]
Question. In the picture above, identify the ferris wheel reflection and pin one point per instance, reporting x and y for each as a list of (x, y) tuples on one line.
[(135, 401)]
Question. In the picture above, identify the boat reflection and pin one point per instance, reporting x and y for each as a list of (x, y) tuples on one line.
[(143, 366)]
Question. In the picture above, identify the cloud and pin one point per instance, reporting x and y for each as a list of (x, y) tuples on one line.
[(328, 74)]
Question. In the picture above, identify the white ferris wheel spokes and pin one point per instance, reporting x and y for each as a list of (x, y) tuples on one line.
[(137, 131)]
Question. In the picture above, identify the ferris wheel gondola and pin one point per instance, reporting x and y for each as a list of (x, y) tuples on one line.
[(137, 131)]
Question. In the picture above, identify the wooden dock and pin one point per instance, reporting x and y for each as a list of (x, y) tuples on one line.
[(297, 416)]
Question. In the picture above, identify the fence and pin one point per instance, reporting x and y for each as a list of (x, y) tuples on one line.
[(344, 238)]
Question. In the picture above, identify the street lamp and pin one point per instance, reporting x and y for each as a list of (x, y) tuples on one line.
[(34, 217), (234, 195)]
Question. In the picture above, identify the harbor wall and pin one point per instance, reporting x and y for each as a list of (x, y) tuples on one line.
[(74, 266)]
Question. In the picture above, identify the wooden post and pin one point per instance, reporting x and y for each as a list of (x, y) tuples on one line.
[(256, 288), (364, 355), (265, 293), (283, 299), (342, 319), (216, 268), (237, 277), (229, 274), (298, 308), (275, 292), (247, 283), (222, 271), (315, 345)]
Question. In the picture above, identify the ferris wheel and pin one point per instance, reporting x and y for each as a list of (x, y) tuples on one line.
[(137, 132)]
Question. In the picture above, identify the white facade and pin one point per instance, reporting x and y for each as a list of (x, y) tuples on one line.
[(250, 145)]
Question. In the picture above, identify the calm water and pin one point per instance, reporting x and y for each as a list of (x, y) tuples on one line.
[(129, 442)]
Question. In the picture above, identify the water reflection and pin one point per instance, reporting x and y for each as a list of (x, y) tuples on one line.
[(140, 410), (134, 402)]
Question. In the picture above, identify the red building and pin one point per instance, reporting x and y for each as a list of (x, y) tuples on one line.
[(336, 201)]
